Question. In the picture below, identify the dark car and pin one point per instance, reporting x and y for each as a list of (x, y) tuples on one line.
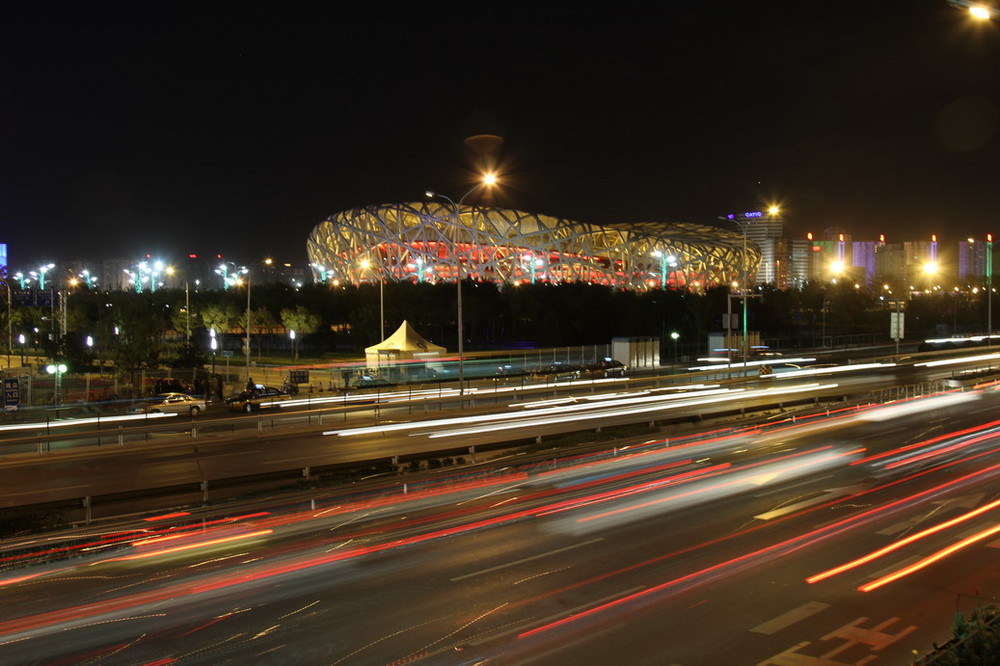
[(559, 372), (509, 371), (263, 397), (607, 367)]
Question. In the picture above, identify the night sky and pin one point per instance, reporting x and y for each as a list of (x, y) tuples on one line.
[(164, 130)]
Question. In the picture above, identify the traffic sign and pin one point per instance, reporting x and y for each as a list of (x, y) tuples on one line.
[(11, 394), (897, 325)]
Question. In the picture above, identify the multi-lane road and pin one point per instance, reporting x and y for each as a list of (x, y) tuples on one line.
[(848, 537)]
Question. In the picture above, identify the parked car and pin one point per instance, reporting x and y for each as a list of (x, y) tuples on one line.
[(506, 370), (559, 371), (263, 397), (169, 403), (607, 367)]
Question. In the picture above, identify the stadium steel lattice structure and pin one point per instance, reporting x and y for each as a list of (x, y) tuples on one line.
[(433, 242)]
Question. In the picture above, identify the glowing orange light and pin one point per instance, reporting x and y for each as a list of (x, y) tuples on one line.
[(899, 544), (929, 560), (191, 546), (167, 515)]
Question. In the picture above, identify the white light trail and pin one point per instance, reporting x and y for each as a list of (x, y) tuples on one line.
[(824, 371), (65, 423), (777, 360), (562, 409), (954, 361), (917, 406), (606, 411)]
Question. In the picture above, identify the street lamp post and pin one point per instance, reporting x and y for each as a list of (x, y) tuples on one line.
[(57, 369), (989, 289), (488, 180), (674, 336), (743, 290), (10, 334), (248, 326), (214, 345), (664, 260), (366, 264)]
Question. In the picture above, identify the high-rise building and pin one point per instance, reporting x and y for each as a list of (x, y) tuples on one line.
[(767, 231), (972, 261)]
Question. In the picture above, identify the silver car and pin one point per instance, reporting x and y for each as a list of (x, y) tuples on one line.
[(169, 403)]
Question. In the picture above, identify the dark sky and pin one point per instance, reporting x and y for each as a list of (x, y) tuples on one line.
[(168, 130)]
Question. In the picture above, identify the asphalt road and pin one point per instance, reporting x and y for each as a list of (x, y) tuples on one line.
[(696, 553)]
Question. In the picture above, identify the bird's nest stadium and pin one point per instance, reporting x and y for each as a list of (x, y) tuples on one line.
[(435, 242)]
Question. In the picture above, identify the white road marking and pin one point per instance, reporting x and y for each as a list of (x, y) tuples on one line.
[(526, 559), (826, 496), (791, 617)]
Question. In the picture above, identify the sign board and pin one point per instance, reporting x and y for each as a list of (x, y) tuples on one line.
[(227, 353), (11, 394), (298, 376), (896, 325)]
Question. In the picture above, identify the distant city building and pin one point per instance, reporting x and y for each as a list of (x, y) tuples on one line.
[(972, 261), (766, 231)]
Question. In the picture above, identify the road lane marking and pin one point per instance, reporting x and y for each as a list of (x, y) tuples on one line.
[(824, 496), (526, 559), (791, 617), (786, 488), (874, 638)]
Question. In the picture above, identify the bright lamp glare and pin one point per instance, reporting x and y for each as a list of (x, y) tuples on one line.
[(979, 12)]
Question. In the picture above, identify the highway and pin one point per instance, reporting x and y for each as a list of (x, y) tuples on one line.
[(70, 460), (692, 551)]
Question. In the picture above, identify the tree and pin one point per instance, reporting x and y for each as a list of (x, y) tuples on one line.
[(302, 322), (262, 321), (220, 318)]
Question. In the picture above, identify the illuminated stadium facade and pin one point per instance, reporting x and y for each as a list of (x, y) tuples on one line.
[(434, 242)]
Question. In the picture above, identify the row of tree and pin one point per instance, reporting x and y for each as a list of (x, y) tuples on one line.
[(150, 329)]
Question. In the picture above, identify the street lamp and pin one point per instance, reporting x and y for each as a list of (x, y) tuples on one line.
[(214, 344), (10, 335), (56, 369), (295, 349), (42, 270), (674, 335), (365, 265), (488, 180), (980, 12), (246, 271), (665, 259), (989, 288)]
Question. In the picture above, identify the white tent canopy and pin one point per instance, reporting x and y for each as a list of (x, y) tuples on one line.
[(405, 343)]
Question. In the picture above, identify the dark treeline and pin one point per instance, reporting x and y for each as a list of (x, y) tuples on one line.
[(149, 328)]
